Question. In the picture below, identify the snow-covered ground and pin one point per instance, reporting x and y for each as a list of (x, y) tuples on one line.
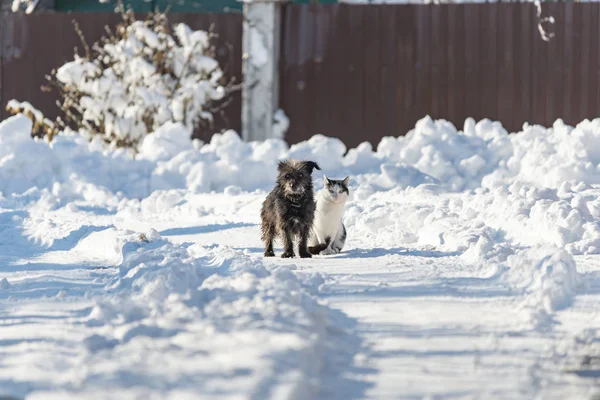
[(471, 269)]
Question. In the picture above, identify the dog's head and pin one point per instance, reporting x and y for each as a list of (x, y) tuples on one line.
[(295, 177)]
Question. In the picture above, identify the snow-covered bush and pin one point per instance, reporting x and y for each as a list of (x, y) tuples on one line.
[(139, 77), (27, 5), (41, 126)]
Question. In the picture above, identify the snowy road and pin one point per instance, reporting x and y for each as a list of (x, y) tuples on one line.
[(430, 325), (420, 323)]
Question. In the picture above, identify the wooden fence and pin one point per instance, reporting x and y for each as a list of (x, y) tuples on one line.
[(32, 45), (361, 72), (368, 71)]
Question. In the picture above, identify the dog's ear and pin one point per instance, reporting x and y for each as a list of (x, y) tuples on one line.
[(310, 165), (346, 181), (281, 165)]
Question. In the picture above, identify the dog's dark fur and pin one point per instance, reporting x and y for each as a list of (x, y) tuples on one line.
[(289, 209)]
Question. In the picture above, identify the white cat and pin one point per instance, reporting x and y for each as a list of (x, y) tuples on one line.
[(328, 235)]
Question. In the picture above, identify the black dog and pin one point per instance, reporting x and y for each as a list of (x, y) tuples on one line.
[(289, 209)]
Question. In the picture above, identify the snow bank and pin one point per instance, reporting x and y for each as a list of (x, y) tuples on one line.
[(546, 277), (217, 301), (458, 158), (483, 154), (535, 185), (550, 157), (24, 163), (526, 215)]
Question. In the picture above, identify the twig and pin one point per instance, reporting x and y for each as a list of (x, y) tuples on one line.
[(88, 55), (546, 36), (185, 64)]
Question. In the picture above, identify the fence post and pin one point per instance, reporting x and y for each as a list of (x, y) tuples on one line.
[(260, 89)]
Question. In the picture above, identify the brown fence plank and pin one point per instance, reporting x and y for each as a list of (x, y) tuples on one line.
[(339, 108), (488, 48), (389, 81), (406, 98), (307, 44), (355, 88), (555, 62), (438, 59), (576, 66), (593, 64), (322, 70), (539, 80), (525, 54), (456, 63), (473, 64), (290, 88), (423, 62), (373, 72), (583, 60), (2, 45), (505, 51), (596, 67), (568, 51)]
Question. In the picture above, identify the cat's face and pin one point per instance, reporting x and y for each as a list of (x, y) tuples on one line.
[(336, 191)]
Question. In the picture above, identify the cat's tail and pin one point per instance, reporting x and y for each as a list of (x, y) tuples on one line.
[(319, 248), (339, 242)]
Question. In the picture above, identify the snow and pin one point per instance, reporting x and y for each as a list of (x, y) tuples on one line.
[(471, 267), (29, 4)]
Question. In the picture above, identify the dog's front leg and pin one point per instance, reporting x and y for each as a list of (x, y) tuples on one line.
[(288, 244), (304, 253)]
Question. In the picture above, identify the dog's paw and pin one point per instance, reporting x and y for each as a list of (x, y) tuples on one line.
[(269, 253), (288, 254), (305, 254)]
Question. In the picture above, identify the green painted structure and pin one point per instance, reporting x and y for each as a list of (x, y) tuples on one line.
[(175, 5)]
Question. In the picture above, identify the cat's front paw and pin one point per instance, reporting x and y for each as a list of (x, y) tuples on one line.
[(327, 252)]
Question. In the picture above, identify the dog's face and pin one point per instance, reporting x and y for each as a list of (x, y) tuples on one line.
[(295, 177)]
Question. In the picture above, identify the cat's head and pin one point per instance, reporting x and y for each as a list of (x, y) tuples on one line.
[(336, 191)]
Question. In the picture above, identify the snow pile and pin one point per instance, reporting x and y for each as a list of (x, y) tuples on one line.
[(431, 160), (458, 158), (545, 277), (433, 153), (550, 157), (223, 162), (521, 213), (24, 163), (220, 303)]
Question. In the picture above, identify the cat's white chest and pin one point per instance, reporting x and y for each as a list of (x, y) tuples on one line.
[(328, 217)]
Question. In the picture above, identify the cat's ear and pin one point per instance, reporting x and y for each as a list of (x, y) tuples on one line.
[(346, 181), (326, 181)]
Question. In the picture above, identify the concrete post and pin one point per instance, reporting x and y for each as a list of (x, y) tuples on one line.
[(260, 89)]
